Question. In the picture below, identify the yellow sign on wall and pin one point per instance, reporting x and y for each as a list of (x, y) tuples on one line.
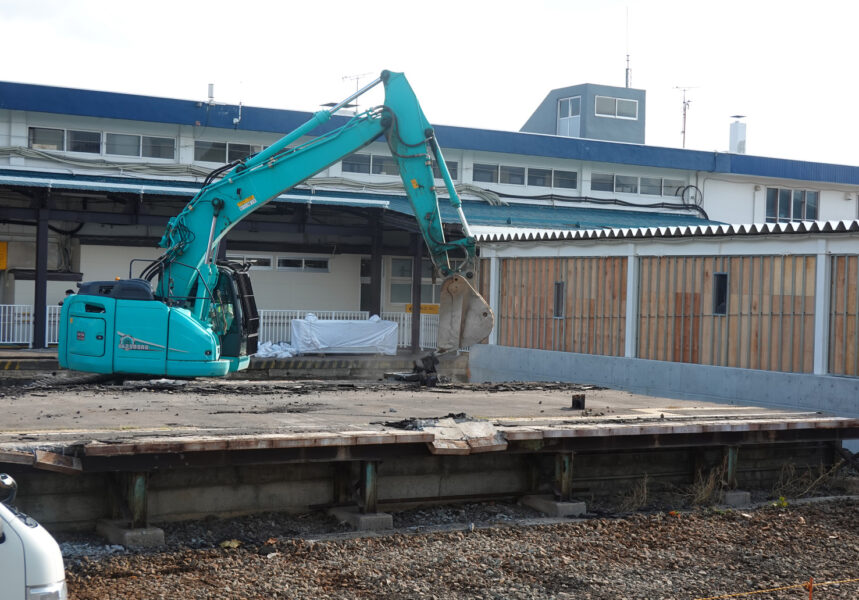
[(426, 309), (4, 253)]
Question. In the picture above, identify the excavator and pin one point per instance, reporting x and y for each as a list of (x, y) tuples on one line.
[(190, 314)]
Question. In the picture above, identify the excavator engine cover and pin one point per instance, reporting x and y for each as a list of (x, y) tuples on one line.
[(464, 317)]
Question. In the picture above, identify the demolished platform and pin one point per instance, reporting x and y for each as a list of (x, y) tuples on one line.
[(157, 450)]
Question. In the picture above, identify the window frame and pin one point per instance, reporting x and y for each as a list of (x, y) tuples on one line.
[(614, 114), (484, 168), (347, 160), (452, 168), (107, 134), (721, 294), (68, 136), (427, 269), (559, 299), (777, 197), (304, 268)]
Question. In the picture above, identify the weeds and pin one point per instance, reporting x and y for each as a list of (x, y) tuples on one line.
[(792, 484), (636, 498)]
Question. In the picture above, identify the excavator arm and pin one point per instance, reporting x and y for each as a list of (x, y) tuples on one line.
[(189, 277)]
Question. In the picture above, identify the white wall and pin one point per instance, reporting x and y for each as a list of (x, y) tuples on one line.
[(733, 201), (837, 206), (339, 289), (105, 263)]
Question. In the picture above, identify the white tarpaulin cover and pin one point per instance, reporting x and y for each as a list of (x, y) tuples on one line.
[(275, 350), (317, 336)]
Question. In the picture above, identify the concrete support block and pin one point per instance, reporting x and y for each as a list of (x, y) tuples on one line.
[(738, 498), (118, 532), (362, 521), (551, 507)]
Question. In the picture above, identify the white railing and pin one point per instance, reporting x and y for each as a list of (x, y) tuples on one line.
[(429, 329), (16, 324), (52, 327)]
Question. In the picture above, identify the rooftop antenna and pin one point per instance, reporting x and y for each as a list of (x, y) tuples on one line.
[(628, 70), (357, 79), (686, 104)]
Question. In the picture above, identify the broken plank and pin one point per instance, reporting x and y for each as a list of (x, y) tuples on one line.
[(59, 463)]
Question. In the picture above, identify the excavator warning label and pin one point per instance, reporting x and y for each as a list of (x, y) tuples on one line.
[(247, 202)]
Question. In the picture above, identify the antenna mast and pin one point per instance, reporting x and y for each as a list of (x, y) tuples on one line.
[(628, 71), (686, 104), (357, 80)]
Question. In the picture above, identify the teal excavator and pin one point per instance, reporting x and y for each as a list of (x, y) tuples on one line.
[(190, 314)]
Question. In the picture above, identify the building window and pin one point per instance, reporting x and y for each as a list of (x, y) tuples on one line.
[(385, 165), (401, 282), (630, 184), (540, 177), (672, 187), (241, 151), (257, 262), (560, 295), (122, 144), (84, 141), (569, 113), (485, 173), (565, 179), (792, 205), (512, 175), (651, 186), (602, 182), (42, 138), (356, 163), (452, 168), (619, 108), (158, 147), (210, 151), (720, 293), (626, 184), (305, 264)]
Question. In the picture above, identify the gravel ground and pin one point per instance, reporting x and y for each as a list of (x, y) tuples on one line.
[(489, 551)]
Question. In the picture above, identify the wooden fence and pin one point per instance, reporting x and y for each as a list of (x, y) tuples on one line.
[(751, 312), (567, 304)]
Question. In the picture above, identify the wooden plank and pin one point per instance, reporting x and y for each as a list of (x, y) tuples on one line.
[(623, 298), (731, 343), (666, 310), (58, 463), (16, 457), (851, 354)]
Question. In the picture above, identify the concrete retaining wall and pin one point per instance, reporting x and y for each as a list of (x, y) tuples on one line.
[(838, 395)]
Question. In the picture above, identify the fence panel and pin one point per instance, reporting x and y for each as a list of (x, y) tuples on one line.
[(52, 326), (16, 324)]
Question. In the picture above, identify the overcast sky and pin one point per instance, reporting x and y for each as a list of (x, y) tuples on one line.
[(790, 66)]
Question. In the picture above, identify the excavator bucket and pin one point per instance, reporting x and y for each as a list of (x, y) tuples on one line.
[(464, 316)]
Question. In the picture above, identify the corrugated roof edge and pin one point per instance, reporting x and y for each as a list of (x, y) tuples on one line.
[(533, 235), (59, 100)]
